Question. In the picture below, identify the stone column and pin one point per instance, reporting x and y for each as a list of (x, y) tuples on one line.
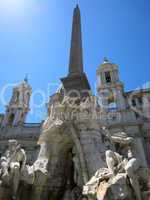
[(146, 107), (140, 152)]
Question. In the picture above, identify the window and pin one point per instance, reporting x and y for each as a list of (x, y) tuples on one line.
[(11, 119), (17, 95), (112, 105), (108, 77), (133, 102), (140, 100), (27, 99), (137, 115)]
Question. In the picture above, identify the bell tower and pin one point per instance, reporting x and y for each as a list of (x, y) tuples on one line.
[(110, 88), (18, 107)]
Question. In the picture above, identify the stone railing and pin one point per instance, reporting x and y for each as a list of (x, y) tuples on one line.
[(25, 131)]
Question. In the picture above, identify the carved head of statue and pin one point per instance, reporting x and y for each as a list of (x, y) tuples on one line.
[(3, 159), (3, 162), (110, 154), (130, 153), (12, 145)]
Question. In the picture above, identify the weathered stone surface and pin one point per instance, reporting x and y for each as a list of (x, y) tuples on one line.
[(72, 148), (123, 180), (74, 140), (5, 193)]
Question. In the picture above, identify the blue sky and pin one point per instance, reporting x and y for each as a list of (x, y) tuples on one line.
[(35, 39)]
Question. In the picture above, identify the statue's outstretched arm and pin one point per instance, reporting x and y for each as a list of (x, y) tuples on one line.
[(121, 140), (24, 160)]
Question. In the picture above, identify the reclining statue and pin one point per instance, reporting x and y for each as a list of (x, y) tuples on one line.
[(124, 179), (116, 164)]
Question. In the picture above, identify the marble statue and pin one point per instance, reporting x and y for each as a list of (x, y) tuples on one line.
[(121, 171), (13, 170), (116, 165), (124, 143), (131, 165), (12, 164), (131, 169), (72, 149), (114, 161)]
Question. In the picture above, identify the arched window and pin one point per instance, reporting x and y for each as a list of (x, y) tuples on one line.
[(27, 99), (112, 105), (22, 118), (17, 94), (108, 77), (11, 119)]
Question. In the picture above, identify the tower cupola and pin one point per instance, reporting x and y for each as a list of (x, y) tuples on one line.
[(109, 87), (18, 106)]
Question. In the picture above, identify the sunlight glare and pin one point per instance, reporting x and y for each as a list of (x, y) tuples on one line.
[(12, 7)]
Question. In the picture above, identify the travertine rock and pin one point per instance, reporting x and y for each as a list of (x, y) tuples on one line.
[(72, 149), (123, 180)]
